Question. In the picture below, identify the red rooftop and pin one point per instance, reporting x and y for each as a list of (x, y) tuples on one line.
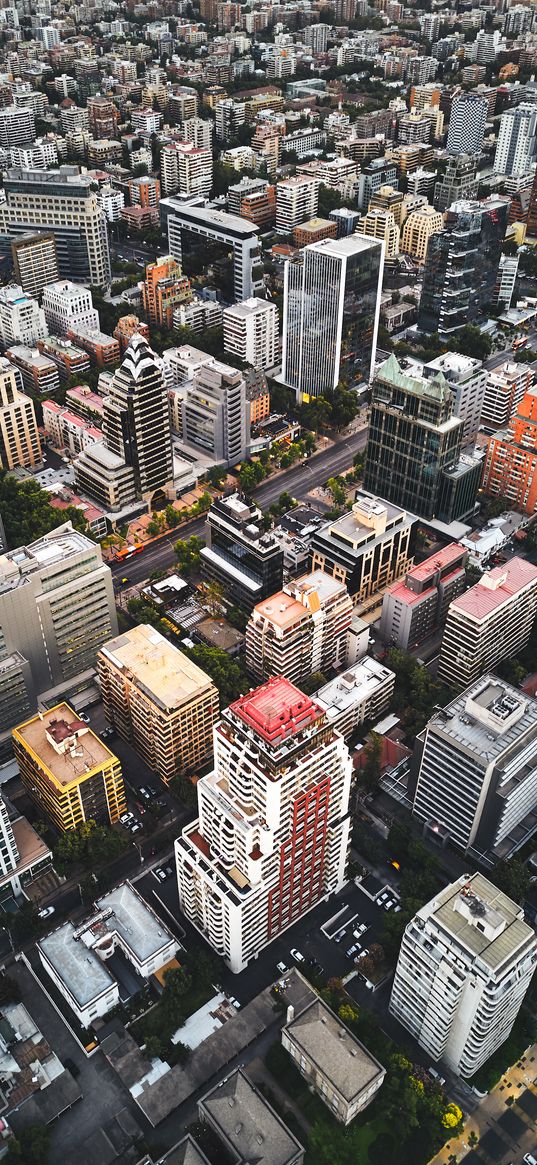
[(277, 710)]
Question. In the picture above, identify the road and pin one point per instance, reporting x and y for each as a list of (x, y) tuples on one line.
[(507, 353), (297, 481)]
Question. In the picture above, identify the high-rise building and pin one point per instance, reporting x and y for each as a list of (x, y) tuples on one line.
[(35, 262), (466, 961), (103, 117), (468, 380), (458, 182), (272, 835), (531, 221), (380, 224), (361, 693), (19, 435), (415, 607), (379, 172), (417, 230), (251, 331), (300, 630), (506, 281), (185, 169), (163, 289), (467, 124), (182, 219), (297, 199), (22, 321), (68, 305), (511, 460), (473, 778), (158, 700), (414, 445), (369, 548), (67, 770), (517, 141), (239, 555), (63, 203), (211, 412), (136, 420), (17, 126), (490, 622), (331, 314), (506, 387), (462, 264)]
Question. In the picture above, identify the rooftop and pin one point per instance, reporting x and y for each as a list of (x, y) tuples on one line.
[(487, 718), (495, 588), (282, 610), (65, 747), (47, 552), (353, 686), (337, 1054), (243, 1117), (502, 931), (162, 672), (276, 711)]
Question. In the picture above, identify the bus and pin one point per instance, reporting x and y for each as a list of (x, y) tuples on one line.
[(128, 552)]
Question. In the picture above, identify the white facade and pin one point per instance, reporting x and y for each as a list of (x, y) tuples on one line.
[(22, 321), (42, 155), (272, 835), (506, 387), (362, 692), (297, 200), (185, 169), (466, 961), (251, 331), (468, 380), (112, 202), (17, 126), (69, 305), (467, 124), (517, 141)]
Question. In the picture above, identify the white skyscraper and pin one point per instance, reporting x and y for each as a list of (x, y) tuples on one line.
[(465, 964), (467, 124), (331, 313), (517, 141)]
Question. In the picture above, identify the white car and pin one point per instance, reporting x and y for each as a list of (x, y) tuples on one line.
[(529, 1159), (296, 955), (281, 968), (389, 904), (83, 716), (235, 1003), (126, 818), (46, 912), (360, 930)]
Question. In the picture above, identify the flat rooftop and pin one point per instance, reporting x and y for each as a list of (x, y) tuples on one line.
[(447, 556), (487, 718), (495, 588), (505, 916), (337, 1054), (276, 711), (76, 753), (133, 920), (320, 581), (353, 686), (242, 1116), (282, 610), (163, 673)]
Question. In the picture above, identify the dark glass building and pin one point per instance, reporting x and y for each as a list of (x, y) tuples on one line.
[(246, 561)]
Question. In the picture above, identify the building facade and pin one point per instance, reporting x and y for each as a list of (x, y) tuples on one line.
[(417, 606), (19, 435), (467, 124), (517, 141), (511, 461), (251, 331), (238, 554), (462, 264), (68, 305), (35, 262), (506, 387)]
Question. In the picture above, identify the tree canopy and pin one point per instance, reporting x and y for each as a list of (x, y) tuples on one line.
[(27, 513)]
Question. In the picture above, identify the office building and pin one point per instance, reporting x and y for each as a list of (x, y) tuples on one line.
[(363, 692), (163, 289), (419, 225), (368, 548), (505, 389), (331, 313), (380, 224), (63, 203), (186, 170), (511, 460), (35, 262), (300, 630), (334, 1064), (244, 1127), (38, 373), (297, 200), (517, 141), (414, 445), (506, 281), (235, 233), (462, 265), (467, 379), (211, 412), (21, 319), (490, 622), (251, 331), (272, 835), (122, 924), (466, 961), (458, 182), (379, 172), (17, 126), (467, 124), (158, 700), (23, 853), (67, 769), (238, 554), (19, 436), (68, 305), (416, 607)]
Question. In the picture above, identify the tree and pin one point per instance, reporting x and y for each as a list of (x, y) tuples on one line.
[(513, 877), (187, 553), (185, 790), (27, 513), (177, 983), (32, 1147), (25, 922), (452, 1117), (313, 683), (376, 953), (372, 768), (337, 490), (227, 674), (472, 342), (347, 1013), (154, 1048), (214, 597)]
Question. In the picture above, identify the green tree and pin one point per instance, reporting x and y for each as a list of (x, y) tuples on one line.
[(513, 877), (227, 674), (25, 922), (187, 553), (27, 513), (337, 490), (313, 683), (185, 790), (472, 342), (371, 772), (213, 593), (247, 478), (32, 1147), (154, 1048)]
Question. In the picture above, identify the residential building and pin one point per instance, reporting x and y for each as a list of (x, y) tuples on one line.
[(417, 230), (511, 461), (300, 630), (467, 379), (21, 319), (272, 835), (19, 436), (380, 224), (415, 443), (212, 412), (35, 262), (102, 349), (244, 1124), (235, 233), (516, 147), (368, 548), (163, 288), (67, 769), (363, 692), (506, 281), (314, 230), (375, 174), (506, 387), (77, 958), (466, 962), (23, 853), (67, 305), (297, 199), (17, 126), (159, 700), (39, 374), (467, 124), (251, 331), (416, 607), (474, 774), (331, 312), (185, 169), (258, 396), (67, 431), (462, 264), (103, 117), (458, 182), (143, 191), (63, 203), (490, 622), (238, 554), (229, 115), (253, 199), (335, 1065)]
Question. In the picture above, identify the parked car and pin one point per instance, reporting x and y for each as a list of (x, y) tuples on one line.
[(234, 1002), (83, 716), (160, 874), (134, 826), (360, 930), (382, 898), (363, 953), (389, 904), (396, 908), (46, 912), (296, 955), (529, 1159), (351, 951), (282, 969), (340, 934), (126, 818), (108, 733), (436, 1076), (145, 793)]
